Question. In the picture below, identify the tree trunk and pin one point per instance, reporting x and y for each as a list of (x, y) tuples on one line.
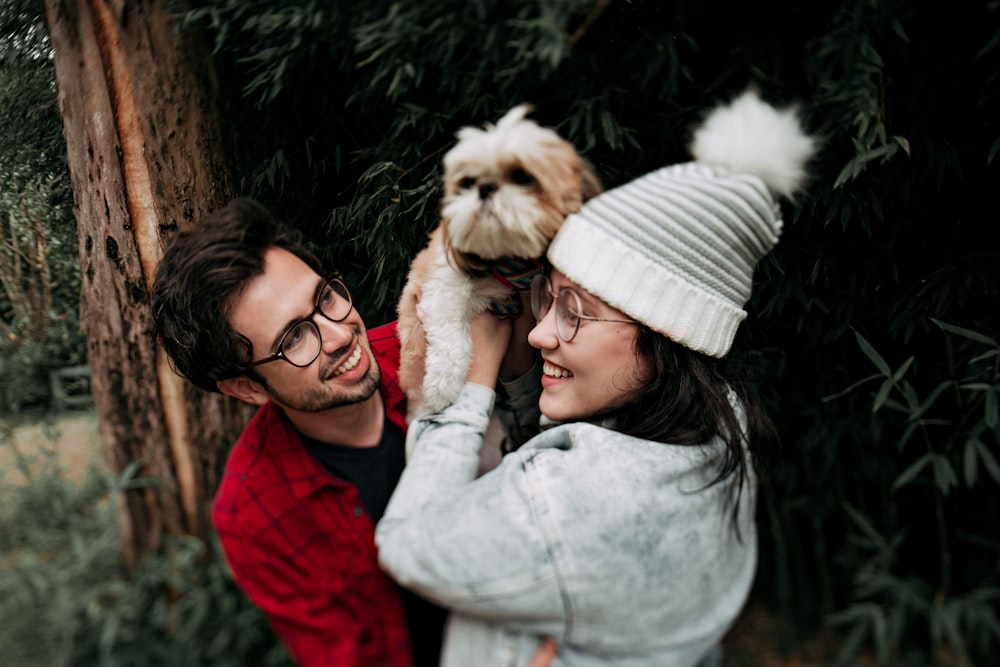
[(147, 157)]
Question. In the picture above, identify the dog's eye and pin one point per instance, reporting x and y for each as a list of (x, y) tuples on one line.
[(466, 183), (521, 177)]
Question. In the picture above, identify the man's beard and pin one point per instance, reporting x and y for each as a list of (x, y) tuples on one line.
[(326, 397), (318, 400)]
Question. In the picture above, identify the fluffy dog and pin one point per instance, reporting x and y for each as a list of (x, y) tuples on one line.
[(507, 189)]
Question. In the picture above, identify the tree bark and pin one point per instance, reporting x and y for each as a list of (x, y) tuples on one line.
[(147, 157)]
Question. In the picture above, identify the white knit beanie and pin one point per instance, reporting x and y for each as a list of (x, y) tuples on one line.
[(676, 249)]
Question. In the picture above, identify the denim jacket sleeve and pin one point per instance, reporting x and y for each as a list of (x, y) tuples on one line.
[(473, 545)]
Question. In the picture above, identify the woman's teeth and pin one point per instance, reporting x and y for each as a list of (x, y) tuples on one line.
[(351, 362), (554, 371)]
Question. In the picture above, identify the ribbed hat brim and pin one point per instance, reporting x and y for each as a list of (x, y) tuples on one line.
[(627, 279)]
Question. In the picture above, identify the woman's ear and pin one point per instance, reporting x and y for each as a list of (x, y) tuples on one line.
[(244, 389)]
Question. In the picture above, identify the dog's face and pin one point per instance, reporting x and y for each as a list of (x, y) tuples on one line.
[(509, 187)]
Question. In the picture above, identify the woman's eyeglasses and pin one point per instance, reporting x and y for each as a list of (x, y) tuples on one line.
[(569, 309), (302, 343)]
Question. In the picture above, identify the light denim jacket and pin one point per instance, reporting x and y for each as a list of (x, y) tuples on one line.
[(610, 544)]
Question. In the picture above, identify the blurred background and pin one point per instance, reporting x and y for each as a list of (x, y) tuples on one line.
[(874, 330)]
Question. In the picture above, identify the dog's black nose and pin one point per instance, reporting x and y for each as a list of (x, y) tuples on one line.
[(486, 189)]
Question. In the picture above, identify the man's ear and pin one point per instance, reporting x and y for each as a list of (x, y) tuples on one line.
[(244, 389)]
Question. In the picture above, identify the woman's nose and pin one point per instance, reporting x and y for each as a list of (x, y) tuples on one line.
[(544, 336)]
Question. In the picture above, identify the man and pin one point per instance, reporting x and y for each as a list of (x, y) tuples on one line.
[(243, 308)]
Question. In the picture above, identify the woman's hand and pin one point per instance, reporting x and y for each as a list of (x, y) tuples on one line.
[(520, 355), (490, 338), (546, 653)]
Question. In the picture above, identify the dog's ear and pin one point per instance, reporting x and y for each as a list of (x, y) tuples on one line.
[(590, 183)]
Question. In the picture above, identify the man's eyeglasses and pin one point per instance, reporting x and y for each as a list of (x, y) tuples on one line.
[(569, 309), (302, 343)]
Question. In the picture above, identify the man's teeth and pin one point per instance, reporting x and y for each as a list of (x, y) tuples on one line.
[(554, 371), (351, 362)]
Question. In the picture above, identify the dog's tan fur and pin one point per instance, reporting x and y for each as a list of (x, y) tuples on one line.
[(507, 190)]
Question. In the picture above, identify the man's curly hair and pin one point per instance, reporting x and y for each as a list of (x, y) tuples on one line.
[(202, 273)]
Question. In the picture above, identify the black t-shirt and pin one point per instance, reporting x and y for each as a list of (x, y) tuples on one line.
[(375, 472)]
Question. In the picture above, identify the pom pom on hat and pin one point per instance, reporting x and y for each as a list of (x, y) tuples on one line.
[(749, 136), (676, 249)]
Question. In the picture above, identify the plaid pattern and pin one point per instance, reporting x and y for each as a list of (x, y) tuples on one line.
[(302, 547)]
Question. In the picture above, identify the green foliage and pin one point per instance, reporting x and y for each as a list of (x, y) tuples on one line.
[(66, 598), (947, 430), (881, 519), (22, 381), (349, 107), (39, 268)]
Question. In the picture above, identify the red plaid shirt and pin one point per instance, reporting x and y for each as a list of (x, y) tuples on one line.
[(301, 545)]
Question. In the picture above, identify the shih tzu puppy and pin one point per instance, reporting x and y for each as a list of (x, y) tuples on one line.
[(507, 189)]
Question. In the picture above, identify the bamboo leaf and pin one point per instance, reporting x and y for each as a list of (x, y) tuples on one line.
[(911, 428), (944, 473), (913, 471), (990, 413), (874, 356), (992, 467), (833, 397), (903, 142), (936, 422), (905, 366), (848, 173), (881, 396), (969, 459), (984, 356), (912, 402), (966, 333), (950, 625), (867, 528), (929, 401)]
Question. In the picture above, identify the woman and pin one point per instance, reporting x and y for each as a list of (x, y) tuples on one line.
[(625, 528)]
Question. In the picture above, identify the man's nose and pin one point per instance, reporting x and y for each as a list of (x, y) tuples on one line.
[(334, 335)]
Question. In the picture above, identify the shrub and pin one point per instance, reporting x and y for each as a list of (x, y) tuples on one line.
[(67, 600)]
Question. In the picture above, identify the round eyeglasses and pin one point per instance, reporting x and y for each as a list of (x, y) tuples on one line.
[(301, 342), (569, 309)]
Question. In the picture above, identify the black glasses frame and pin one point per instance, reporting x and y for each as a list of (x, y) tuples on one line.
[(339, 288)]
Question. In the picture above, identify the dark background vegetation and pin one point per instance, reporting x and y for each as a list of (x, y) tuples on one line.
[(874, 324)]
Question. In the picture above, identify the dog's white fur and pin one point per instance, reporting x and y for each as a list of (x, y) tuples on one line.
[(507, 189)]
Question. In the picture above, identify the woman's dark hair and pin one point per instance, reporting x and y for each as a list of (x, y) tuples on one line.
[(201, 274), (684, 400)]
